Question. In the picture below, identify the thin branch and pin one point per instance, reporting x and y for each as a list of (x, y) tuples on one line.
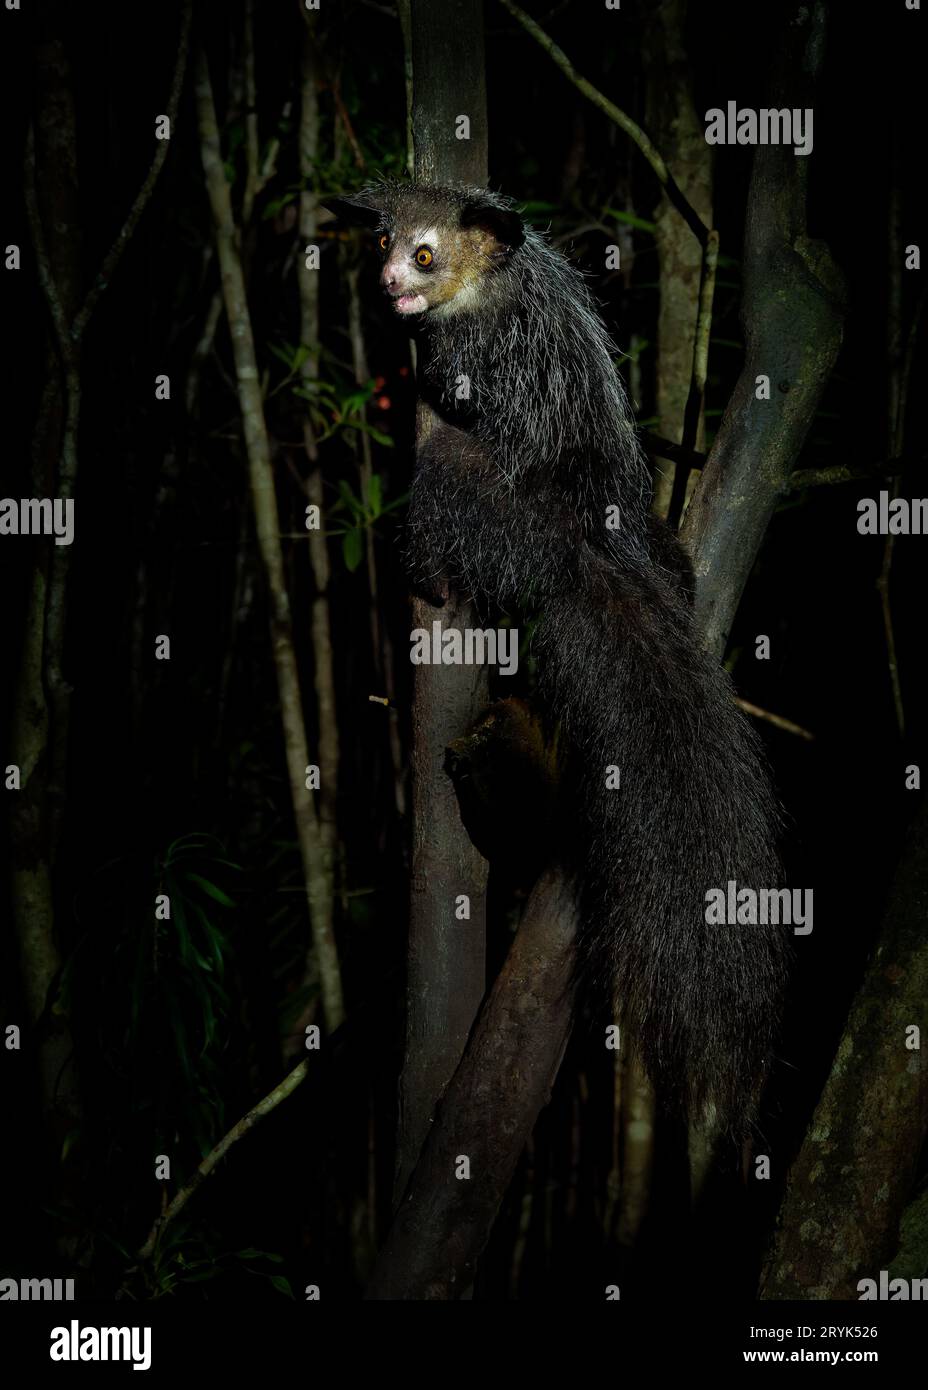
[(697, 390), (883, 583), (804, 478), (65, 342), (114, 255), (792, 309), (801, 479), (667, 449), (619, 117), (251, 114), (707, 238), (314, 852), (345, 119), (264, 1107), (777, 719)]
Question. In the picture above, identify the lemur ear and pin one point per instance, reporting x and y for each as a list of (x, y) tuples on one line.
[(356, 210), (504, 224)]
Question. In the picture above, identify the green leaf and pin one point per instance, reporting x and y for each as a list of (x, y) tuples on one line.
[(631, 220), (70, 1139), (210, 888), (181, 929), (378, 436), (273, 206), (281, 1284), (397, 502), (352, 549), (351, 502), (375, 494), (177, 1028)]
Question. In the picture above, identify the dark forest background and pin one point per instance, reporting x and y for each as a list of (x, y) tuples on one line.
[(175, 775)]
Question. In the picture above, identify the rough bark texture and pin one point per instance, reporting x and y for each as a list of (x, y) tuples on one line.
[(792, 311), (446, 975), (488, 1110), (449, 81), (840, 1217)]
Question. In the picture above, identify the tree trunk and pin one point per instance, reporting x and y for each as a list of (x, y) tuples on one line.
[(446, 971)]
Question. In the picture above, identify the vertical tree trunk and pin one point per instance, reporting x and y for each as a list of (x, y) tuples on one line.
[(446, 972)]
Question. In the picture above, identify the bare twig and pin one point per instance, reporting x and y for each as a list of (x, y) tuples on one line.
[(124, 236), (792, 309), (313, 850), (707, 238), (348, 128), (666, 449), (264, 1107), (251, 114), (799, 480), (697, 390), (778, 720), (323, 667), (900, 394), (804, 478), (619, 117), (63, 336)]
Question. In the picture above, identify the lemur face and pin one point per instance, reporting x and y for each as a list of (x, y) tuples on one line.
[(438, 245), (434, 269)]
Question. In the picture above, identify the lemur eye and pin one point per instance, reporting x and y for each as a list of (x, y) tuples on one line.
[(383, 242), (423, 255)]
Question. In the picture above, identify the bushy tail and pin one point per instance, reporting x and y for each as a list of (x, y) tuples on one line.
[(694, 809)]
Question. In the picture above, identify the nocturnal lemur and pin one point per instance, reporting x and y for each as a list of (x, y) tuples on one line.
[(531, 491)]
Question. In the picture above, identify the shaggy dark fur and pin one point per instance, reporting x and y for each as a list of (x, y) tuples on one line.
[(509, 504)]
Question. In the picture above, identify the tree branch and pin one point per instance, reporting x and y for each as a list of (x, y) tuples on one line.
[(488, 1111), (124, 236), (314, 851), (792, 311), (848, 1187), (248, 1121), (618, 117)]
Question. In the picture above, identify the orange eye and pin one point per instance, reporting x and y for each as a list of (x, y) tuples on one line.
[(383, 242), (423, 256)]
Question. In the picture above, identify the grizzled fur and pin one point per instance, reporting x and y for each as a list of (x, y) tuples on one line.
[(509, 505)]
